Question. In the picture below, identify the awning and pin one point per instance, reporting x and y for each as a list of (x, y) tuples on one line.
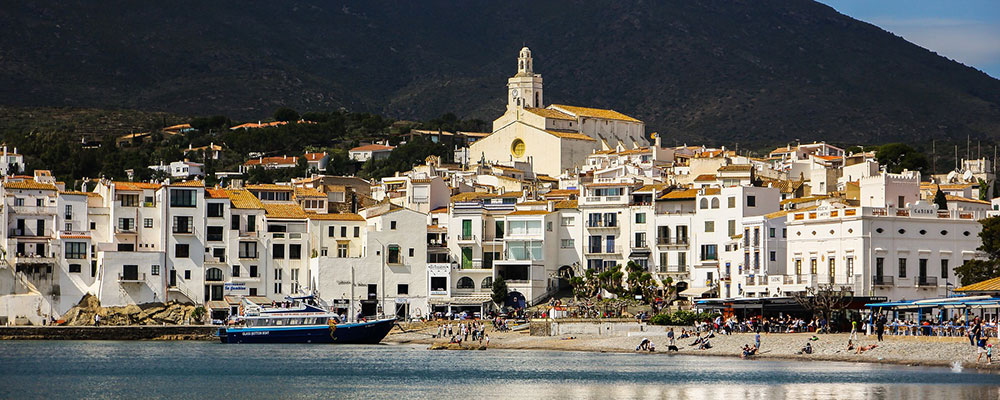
[(217, 305), (642, 253), (695, 291)]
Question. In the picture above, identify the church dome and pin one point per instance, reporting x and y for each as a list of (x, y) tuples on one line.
[(525, 52)]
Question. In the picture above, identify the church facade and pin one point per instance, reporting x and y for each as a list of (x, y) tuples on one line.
[(555, 138)]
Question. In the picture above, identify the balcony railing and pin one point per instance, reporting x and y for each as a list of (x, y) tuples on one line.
[(640, 245), (672, 241), (882, 280), (672, 269), (466, 238), (927, 281), (601, 224), (33, 210), (604, 250), (130, 278)]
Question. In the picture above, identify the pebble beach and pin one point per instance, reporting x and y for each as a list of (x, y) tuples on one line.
[(955, 352)]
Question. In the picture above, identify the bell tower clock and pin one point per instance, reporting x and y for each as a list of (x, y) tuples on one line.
[(526, 86)]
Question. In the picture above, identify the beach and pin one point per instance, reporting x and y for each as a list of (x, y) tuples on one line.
[(903, 350)]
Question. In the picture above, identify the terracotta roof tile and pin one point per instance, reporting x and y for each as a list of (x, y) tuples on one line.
[(566, 204), (989, 285), (29, 185), (570, 135), (594, 112), (284, 211), (135, 186), (688, 194), (335, 217), (550, 113), (243, 199), (373, 147)]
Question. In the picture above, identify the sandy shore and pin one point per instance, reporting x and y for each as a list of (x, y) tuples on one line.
[(906, 350)]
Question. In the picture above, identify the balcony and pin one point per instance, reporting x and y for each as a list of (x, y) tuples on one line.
[(466, 238), (927, 281), (132, 278), (672, 242), (74, 234), (33, 210), (14, 232), (602, 224), (883, 280), (189, 230), (23, 259), (672, 269), (640, 245), (603, 250), (215, 260), (248, 235), (249, 279)]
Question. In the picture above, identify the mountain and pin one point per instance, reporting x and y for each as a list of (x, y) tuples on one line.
[(717, 71)]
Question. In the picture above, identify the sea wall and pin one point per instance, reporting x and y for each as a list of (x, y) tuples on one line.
[(599, 328), (164, 332)]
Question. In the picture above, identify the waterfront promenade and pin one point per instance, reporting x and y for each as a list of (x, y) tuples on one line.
[(128, 332)]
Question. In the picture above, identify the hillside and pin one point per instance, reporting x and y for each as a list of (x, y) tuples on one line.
[(745, 71)]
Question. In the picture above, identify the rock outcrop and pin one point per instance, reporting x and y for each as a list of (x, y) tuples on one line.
[(143, 314)]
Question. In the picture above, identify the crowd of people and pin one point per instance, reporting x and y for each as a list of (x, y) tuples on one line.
[(462, 331)]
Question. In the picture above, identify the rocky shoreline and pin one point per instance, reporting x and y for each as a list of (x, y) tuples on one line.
[(901, 350)]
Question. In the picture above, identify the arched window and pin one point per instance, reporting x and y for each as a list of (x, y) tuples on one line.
[(715, 202), (704, 203), (466, 283), (520, 64), (213, 275), (487, 282)]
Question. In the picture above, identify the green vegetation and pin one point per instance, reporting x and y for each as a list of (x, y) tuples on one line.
[(973, 271), (499, 295), (681, 317), (940, 199), (898, 156)]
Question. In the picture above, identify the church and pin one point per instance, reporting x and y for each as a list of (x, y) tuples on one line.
[(555, 138)]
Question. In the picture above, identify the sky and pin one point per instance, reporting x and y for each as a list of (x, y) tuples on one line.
[(967, 31)]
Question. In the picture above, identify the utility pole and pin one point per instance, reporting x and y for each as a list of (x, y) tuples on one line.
[(934, 155)]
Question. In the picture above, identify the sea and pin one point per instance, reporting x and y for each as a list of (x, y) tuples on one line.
[(210, 370)]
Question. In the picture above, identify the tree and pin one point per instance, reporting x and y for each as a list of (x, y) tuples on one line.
[(499, 296), (899, 156), (825, 299), (286, 114), (940, 199), (973, 271)]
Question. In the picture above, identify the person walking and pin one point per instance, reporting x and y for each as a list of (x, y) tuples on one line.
[(97, 320), (854, 330), (670, 337), (880, 326), (756, 340)]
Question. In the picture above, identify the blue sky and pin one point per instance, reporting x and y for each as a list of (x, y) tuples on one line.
[(967, 31)]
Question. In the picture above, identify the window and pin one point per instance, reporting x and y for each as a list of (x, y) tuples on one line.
[(148, 201), (732, 227), (709, 252), (392, 254), (411, 252), (813, 265), (181, 250), (640, 218), (498, 230), (751, 201), (709, 226), (342, 250), (715, 202), (93, 225), (76, 250), (69, 211), (798, 267), (682, 260), (343, 231), (944, 268), (392, 225), (703, 204), (487, 282), (331, 231), (770, 232), (251, 223), (525, 227), (784, 232), (548, 226), (850, 267), (731, 202), (902, 268), (879, 267), (215, 210), (248, 249), (527, 250), (253, 291), (277, 287), (439, 283), (213, 275), (234, 222), (900, 202), (323, 251), (126, 224), (147, 222), (154, 270), (567, 244), (357, 231), (187, 274), (236, 271), (402, 289), (68, 227), (565, 221), (74, 268), (214, 233), (128, 200), (295, 251), (773, 256), (278, 251), (277, 274), (466, 283), (183, 224), (253, 270), (181, 198)]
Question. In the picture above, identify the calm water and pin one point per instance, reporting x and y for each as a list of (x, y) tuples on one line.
[(61, 369)]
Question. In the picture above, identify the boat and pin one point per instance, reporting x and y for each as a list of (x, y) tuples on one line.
[(300, 319)]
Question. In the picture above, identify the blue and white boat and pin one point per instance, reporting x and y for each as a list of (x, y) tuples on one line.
[(302, 319)]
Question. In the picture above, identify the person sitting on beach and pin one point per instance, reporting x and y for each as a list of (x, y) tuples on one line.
[(807, 350), (697, 340), (705, 345), (643, 345), (684, 334)]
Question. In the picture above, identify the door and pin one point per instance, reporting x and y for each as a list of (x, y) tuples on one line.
[(130, 272), (402, 309), (172, 281), (20, 228), (41, 228), (466, 257), (466, 229)]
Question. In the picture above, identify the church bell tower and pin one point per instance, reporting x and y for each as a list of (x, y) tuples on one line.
[(525, 88)]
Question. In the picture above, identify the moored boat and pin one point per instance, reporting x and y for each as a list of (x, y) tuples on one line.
[(303, 319)]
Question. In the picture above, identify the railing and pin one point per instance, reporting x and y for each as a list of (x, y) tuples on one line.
[(883, 280), (788, 280), (640, 245), (466, 238), (33, 209), (244, 234), (603, 250), (672, 241), (215, 260), (132, 279), (437, 243), (669, 269), (253, 256), (601, 224), (927, 281)]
